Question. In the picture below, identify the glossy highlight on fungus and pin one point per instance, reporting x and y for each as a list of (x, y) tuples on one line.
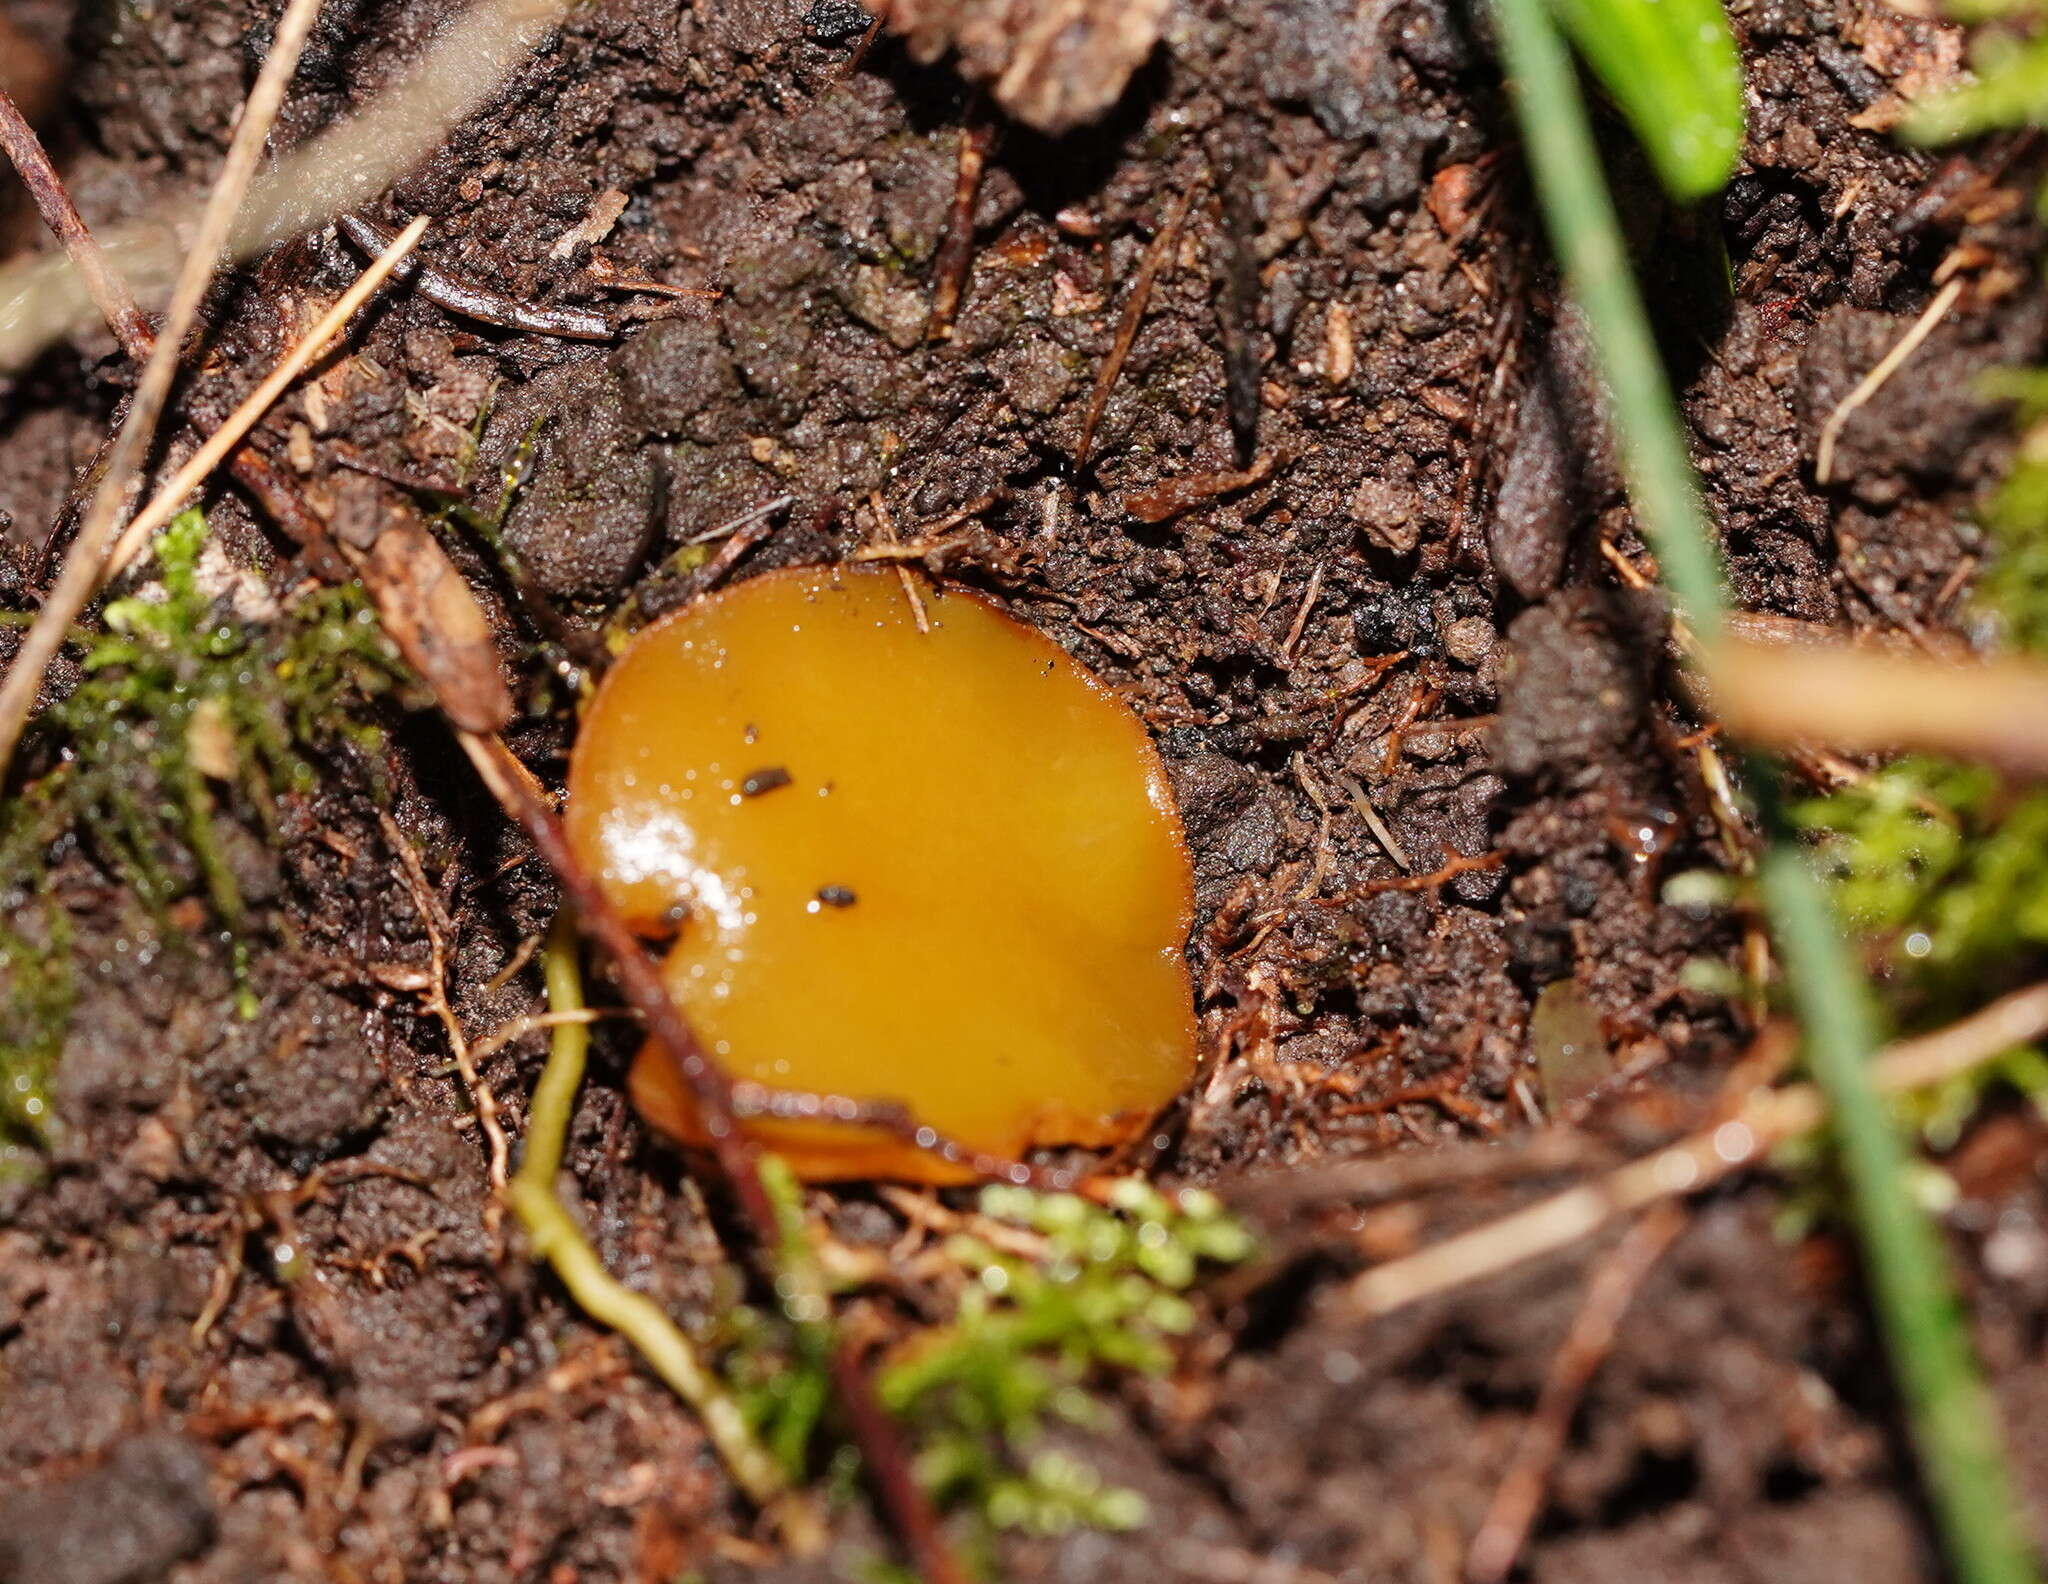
[(942, 869)]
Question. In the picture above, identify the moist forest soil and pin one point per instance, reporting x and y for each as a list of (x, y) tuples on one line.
[(258, 1317)]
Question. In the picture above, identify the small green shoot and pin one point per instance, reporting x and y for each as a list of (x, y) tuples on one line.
[(553, 1236), (1105, 1295), (33, 1016), (1673, 68), (188, 716)]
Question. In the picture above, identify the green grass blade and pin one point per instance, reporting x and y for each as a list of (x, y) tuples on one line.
[(1954, 1421), (1565, 164), (1673, 68)]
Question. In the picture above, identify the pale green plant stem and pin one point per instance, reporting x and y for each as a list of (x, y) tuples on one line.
[(553, 1236)]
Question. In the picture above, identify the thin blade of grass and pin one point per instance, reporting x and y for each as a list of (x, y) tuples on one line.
[(1673, 68), (1954, 1418), (1954, 1425), (1564, 162)]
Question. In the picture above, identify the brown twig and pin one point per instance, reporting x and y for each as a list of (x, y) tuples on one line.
[(1169, 498), (1454, 865), (956, 250), (1372, 819), (1519, 1498), (885, 526), (1127, 328), (927, 539), (82, 564), (1301, 614), (110, 293), (566, 320), (859, 57)]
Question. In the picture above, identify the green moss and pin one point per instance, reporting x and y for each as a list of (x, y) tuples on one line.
[(1942, 868), (2013, 590), (1106, 1295), (1029, 1341), (185, 714)]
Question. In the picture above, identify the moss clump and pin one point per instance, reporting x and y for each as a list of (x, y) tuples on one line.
[(186, 713), (1102, 1290), (1944, 867), (1107, 1294)]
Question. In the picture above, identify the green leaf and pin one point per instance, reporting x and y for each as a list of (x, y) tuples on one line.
[(1672, 67)]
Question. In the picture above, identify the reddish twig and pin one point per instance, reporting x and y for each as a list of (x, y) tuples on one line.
[(1127, 329), (956, 251), (1169, 498), (1519, 1498), (1454, 865), (109, 291), (859, 57)]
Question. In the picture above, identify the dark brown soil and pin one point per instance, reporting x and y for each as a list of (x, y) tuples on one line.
[(257, 1319)]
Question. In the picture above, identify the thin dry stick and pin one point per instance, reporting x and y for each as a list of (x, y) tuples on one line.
[(1373, 822), (885, 524), (956, 251), (82, 564), (1691, 1164), (480, 1095), (534, 1023), (245, 417), (1866, 699), (1127, 329), (1519, 1498), (251, 469), (110, 293), (1873, 382)]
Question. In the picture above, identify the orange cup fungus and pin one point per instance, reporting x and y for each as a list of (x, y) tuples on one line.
[(942, 869)]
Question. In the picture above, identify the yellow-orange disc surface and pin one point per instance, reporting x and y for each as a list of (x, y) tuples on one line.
[(941, 868)]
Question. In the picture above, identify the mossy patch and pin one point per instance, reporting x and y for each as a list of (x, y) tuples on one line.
[(1077, 1293), (188, 712)]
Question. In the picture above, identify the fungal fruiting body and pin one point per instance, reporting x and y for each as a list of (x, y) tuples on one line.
[(941, 869)]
